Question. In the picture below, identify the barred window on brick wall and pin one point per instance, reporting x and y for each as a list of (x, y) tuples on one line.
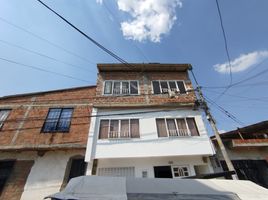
[(58, 119), (3, 116), (160, 87), (120, 87)]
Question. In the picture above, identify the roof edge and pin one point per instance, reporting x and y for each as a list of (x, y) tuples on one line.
[(45, 92)]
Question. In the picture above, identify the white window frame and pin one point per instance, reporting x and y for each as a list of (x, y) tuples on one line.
[(180, 166), (119, 128), (103, 89), (168, 86), (189, 134)]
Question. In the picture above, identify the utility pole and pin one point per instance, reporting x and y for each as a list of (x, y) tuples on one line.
[(212, 122)]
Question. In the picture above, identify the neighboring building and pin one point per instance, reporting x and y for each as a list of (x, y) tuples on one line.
[(247, 148), (147, 124), (43, 140)]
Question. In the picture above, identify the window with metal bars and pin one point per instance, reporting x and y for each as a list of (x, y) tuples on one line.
[(3, 116), (58, 120), (180, 171), (173, 127), (163, 86), (119, 128), (112, 87)]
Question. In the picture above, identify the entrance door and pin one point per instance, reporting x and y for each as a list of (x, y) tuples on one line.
[(162, 172), (5, 171)]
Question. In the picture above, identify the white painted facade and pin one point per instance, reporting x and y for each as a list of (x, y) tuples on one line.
[(149, 150), (47, 173)]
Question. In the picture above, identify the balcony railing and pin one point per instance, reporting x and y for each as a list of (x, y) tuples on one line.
[(117, 135), (179, 132)]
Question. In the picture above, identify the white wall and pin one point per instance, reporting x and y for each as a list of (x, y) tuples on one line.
[(148, 145), (47, 174), (147, 164)]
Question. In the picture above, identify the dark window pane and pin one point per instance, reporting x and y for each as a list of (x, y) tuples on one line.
[(114, 128), (108, 87), (192, 126), (156, 87), (3, 116), (125, 87), (134, 128), (5, 171), (133, 87), (116, 89), (164, 86), (78, 168), (52, 120), (181, 87), (172, 85), (65, 119), (161, 128), (104, 128), (171, 127), (182, 129), (124, 132)]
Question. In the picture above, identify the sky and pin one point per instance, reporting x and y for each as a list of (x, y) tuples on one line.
[(40, 52)]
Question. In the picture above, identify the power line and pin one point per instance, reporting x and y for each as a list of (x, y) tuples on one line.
[(43, 70), (225, 42), (47, 41), (92, 116), (43, 55), (227, 113), (121, 60), (243, 80), (241, 97)]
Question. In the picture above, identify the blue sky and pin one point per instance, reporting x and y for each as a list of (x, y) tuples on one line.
[(165, 31)]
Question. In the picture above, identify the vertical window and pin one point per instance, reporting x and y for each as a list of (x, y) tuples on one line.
[(180, 171), (124, 132), (181, 87), (134, 128), (116, 89), (176, 127), (161, 128), (182, 128), (108, 87), (164, 86), (125, 87), (121, 87), (172, 130), (58, 119), (3, 116), (119, 128), (156, 87), (192, 126), (133, 87), (104, 128)]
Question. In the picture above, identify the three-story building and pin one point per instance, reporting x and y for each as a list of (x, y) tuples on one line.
[(146, 123)]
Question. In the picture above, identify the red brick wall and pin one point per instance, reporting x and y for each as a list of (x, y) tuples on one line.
[(80, 99), (15, 184), (147, 77)]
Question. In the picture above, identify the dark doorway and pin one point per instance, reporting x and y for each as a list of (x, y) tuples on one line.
[(78, 168), (162, 172), (253, 170), (5, 171)]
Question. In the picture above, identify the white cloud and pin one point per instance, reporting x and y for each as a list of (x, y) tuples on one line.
[(99, 1), (150, 18), (243, 62)]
